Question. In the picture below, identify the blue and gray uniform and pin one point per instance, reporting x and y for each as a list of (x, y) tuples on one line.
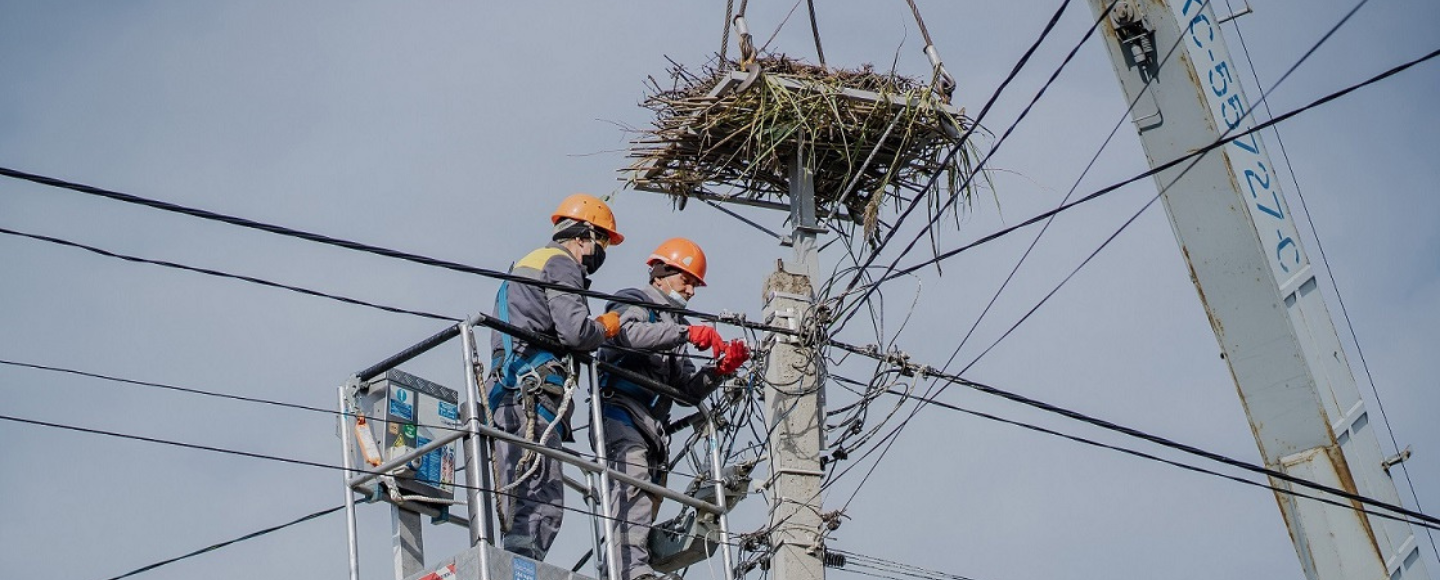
[(635, 439), (523, 373)]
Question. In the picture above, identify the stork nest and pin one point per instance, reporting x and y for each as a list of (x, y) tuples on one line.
[(865, 149)]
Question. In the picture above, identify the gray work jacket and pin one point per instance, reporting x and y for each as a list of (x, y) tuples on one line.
[(664, 336), (556, 313)]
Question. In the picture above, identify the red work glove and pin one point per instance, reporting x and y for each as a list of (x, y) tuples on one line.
[(736, 353), (705, 338)]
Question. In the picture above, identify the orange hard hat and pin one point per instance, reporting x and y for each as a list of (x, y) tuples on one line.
[(683, 255), (589, 209)]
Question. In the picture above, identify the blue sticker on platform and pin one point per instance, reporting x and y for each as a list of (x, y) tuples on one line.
[(449, 411), (524, 569), (402, 404)]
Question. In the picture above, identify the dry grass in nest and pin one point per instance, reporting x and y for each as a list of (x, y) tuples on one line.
[(742, 143)]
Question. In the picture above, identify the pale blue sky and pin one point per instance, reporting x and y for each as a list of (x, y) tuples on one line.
[(451, 129)]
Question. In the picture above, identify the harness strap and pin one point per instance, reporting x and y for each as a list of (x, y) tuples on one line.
[(630, 362)]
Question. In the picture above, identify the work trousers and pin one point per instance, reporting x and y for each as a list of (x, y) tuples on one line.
[(635, 509), (535, 507)]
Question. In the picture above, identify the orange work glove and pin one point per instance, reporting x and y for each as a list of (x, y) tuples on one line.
[(706, 338), (611, 322), (736, 353)]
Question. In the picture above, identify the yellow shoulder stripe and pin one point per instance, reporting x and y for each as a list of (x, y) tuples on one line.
[(536, 260)]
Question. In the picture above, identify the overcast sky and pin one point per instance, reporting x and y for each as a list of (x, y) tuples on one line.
[(451, 129)]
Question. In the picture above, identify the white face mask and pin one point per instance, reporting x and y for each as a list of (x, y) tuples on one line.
[(677, 298)]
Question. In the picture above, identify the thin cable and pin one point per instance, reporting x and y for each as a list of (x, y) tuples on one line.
[(292, 288), (1160, 168), (883, 565), (249, 536), (780, 26), (1323, 39), (1330, 273), (1148, 456), (979, 167), (217, 273), (281, 404), (984, 110), (1164, 189), (289, 460), (1162, 441), (370, 249)]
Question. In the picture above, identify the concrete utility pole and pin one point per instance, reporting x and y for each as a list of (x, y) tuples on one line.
[(794, 399), (1258, 288)]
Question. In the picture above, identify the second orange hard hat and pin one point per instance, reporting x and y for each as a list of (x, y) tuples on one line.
[(681, 254)]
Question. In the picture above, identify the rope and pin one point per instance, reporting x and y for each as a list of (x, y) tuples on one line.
[(725, 34), (815, 30), (920, 21), (530, 455)]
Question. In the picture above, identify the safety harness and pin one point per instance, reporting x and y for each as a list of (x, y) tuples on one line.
[(611, 383), (536, 371)]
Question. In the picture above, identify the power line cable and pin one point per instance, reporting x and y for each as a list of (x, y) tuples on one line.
[(1183, 172), (275, 403), (884, 565), (979, 118), (302, 462), (1324, 38), (375, 250), (246, 537), (925, 371), (217, 273), (539, 339), (1150, 457), (1160, 168), (292, 288)]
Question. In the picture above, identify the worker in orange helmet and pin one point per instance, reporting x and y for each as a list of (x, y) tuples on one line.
[(530, 388), (651, 342)]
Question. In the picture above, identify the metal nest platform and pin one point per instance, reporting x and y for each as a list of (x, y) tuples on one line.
[(734, 135)]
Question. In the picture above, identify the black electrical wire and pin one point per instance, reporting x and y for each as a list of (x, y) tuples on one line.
[(273, 284), (1152, 457), (371, 249), (249, 536), (976, 123), (1160, 168), (863, 561), (1114, 235), (293, 461), (271, 402), (217, 273), (1162, 441), (979, 167)]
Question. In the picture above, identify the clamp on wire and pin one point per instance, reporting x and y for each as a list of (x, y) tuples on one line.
[(945, 83), (747, 54)]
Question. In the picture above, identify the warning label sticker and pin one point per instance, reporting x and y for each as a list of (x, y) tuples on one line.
[(446, 573), (524, 569), (402, 404)]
